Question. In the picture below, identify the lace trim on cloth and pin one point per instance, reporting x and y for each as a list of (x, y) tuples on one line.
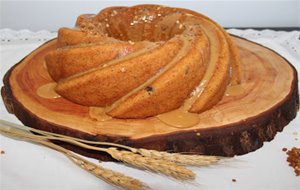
[(285, 43), (280, 41), (8, 35)]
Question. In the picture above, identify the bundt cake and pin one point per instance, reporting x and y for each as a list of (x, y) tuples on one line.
[(143, 61)]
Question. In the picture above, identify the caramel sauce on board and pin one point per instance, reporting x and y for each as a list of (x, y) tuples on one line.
[(99, 114), (234, 90), (47, 91), (179, 118)]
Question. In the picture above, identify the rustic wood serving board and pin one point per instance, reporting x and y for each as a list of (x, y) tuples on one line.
[(236, 125)]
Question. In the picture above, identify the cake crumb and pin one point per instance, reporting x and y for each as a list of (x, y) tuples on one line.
[(233, 180), (123, 69), (130, 42), (114, 13), (294, 159), (2, 152), (284, 149), (295, 133)]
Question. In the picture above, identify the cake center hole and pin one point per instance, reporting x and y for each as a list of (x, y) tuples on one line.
[(131, 25)]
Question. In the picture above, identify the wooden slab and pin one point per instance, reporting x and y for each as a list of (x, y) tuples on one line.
[(236, 125)]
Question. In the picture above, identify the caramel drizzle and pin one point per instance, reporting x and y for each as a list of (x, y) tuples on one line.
[(234, 90), (48, 91), (207, 76), (176, 118), (185, 47), (98, 114), (182, 118), (179, 118), (214, 52), (148, 47)]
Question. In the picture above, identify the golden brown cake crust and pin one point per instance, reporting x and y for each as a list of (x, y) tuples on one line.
[(144, 60)]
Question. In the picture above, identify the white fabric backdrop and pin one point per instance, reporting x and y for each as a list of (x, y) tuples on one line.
[(53, 14)]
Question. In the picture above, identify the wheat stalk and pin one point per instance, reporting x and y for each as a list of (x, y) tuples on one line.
[(193, 160), (155, 165), (156, 161), (196, 160), (110, 176), (159, 166), (148, 163)]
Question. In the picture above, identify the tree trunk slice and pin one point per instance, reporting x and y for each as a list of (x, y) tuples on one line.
[(236, 125)]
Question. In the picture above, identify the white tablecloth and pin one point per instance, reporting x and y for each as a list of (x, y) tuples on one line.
[(29, 166)]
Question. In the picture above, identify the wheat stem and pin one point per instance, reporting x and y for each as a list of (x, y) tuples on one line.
[(107, 175), (160, 166), (110, 176), (197, 160), (13, 125), (148, 163)]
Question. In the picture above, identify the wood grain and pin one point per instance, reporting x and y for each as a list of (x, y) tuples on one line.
[(236, 125)]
